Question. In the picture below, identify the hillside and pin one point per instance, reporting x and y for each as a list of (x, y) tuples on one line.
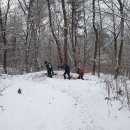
[(58, 104)]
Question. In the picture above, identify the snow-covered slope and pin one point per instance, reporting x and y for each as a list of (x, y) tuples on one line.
[(58, 104)]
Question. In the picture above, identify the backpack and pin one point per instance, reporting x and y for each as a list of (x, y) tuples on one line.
[(81, 71), (49, 65)]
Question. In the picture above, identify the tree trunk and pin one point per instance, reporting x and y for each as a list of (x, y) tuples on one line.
[(96, 41), (3, 25), (74, 33), (53, 33), (85, 35), (118, 64), (115, 36), (65, 32)]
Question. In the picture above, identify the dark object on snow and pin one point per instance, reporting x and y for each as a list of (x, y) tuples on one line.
[(49, 69), (80, 71), (19, 91)]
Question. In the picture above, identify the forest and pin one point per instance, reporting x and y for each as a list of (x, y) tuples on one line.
[(93, 34), (42, 45)]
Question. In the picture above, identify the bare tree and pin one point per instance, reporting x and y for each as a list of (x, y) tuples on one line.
[(53, 33), (96, 41), (85, 33), (3, 25), (65, 32), (74, 31), (27, 12), (118, 64)]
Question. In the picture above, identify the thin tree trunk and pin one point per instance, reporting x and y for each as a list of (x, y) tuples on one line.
[(114, 29), (27, 39), (53, 33), (96, 41), (74, 33), (100, 40), (3, 25), (85, 34), (65, 32), (118, 64)]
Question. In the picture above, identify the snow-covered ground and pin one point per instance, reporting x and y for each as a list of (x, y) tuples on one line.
[(58, 104)]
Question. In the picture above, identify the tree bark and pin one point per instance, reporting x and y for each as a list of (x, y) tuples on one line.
[(53, 33), (3, 24), (65, 32), (74, 33), (118, 64), (96, 41)]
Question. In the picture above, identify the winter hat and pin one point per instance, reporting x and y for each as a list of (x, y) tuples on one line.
[(45, 62)]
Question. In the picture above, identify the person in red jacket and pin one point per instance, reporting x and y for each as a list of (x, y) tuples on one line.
[(80, 71)]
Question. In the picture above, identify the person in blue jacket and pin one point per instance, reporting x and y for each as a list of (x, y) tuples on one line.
[(49, 69)]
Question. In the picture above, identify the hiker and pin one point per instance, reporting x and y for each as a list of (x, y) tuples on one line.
[(80, 71), (49, 69), (67, 70)]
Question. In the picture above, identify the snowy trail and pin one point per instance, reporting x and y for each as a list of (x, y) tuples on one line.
[(58, 104)]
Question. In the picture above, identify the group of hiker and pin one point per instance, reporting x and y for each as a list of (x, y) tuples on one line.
[(66, 68)]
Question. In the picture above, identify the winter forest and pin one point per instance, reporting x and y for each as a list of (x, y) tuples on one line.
[(91, 34)]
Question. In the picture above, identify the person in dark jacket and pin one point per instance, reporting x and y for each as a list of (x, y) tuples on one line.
[(67, 70), (49, 69)]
